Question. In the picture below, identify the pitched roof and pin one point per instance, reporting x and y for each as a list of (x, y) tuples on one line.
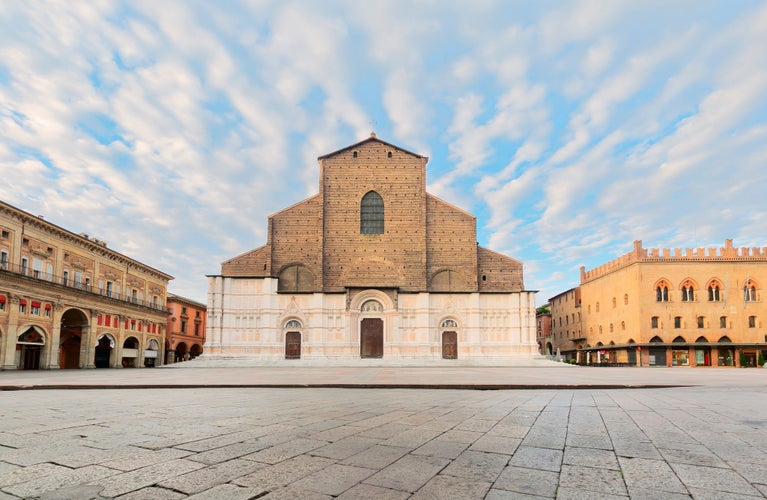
[(372, 138)]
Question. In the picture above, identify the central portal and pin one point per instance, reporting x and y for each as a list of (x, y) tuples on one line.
[(371, 338)]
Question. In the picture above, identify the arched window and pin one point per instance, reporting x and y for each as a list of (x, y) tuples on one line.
[(714, 291), (749, 291), (661, 291), (372, 214), (293, 323), (688, 291)]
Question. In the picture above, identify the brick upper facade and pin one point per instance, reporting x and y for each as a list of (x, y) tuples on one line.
[(426, 245)]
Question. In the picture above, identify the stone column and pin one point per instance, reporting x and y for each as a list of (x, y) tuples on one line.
[(55, 340), (118, 352), (9, 339), (88, 336)]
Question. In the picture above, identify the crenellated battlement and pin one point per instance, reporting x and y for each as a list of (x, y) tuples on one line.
[(639, 254)]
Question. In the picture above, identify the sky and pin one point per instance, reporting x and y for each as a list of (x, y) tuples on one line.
[(173, 129)]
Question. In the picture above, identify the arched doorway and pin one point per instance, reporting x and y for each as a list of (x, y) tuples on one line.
[(29, 349), (151, 353), (73, 322), (182, 351), (293, 339), (195, 351), (130, 352), (105, 345), (371, 331), (449, 339)]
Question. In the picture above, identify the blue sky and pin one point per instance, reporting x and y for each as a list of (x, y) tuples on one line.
[(173, 129)]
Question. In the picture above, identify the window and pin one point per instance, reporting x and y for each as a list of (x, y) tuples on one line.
[(134, 296), (183, 326), (109, 288), (713, 293), (66, 278), (22, 306), (749, 292), (4, 259), (752, 322), (34, 308), (688, 294), (677, 322), (654, 322), (372, 214), (197, 329), (47, 310), (37, 268), (723, 322), (2, 302), (661, 293), (24, 265), (700, 322), (183, 310)]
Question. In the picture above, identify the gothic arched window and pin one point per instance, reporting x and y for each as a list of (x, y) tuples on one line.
[(372, 214)]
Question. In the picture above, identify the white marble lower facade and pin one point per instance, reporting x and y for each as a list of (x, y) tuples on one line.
[(248, 319)]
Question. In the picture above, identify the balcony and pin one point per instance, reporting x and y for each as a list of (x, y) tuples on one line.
[(70, 283)]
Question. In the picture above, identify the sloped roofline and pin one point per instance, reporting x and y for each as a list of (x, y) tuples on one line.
[(372, 138), (459, 209)]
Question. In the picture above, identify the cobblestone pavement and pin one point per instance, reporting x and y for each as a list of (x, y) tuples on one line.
[(317, 443)]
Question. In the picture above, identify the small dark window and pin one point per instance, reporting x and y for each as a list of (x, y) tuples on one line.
[(354, 154), (677, 322), (484, 278), (389, 154), (700, 322), (654, 322), (723, 322)]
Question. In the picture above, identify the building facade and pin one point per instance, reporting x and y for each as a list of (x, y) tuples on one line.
[(543, 330), (185, 334), (69, 301), (658, 307), (372, 267)]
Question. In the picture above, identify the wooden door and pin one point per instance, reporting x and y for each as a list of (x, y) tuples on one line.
[(293, 345), (371, 338), (449, 345), (31, 357)]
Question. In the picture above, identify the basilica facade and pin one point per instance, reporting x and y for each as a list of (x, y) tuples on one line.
[(372, 269)]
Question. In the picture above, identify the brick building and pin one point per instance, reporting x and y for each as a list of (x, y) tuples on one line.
[(543, 330), (69, 301), (658, 307), (186, 329), (371, 267)]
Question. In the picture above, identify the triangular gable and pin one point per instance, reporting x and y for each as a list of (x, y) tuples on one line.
[(483, 253), (372, 138), (247, 257)]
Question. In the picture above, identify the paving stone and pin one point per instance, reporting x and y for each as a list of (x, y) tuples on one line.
[(591, 479), (568, 493), (275, 476), (58, 479), (292, 493), (446, 486), (494, 494), (408, 473), (439, 448), (139, 458), (598, 441), (753, 473), (589, 457), (649, 494), (334, 479), (467, 437), (126, 482), (229, 492), (475, 425), (376, 457), (345, 447), (537, 458), (496, 444), (149, 493), (528, 481), (513, 431), (208, 477), (697, 457), (226, 453), (477, 465), (413, 437), (643, 474), (78, 492), (701, 494), (713, 478), (284, 451), (30, 473), (364, 491)]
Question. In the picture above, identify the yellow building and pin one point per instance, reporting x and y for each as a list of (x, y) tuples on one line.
[(69, 301), (664, 307)]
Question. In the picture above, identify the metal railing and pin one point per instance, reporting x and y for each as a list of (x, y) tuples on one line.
[(77, 285)]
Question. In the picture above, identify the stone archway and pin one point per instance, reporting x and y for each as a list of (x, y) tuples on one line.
[(30, 348), (74, 323), (195, 351), (103, 356), (182, 351), (130, 352)]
